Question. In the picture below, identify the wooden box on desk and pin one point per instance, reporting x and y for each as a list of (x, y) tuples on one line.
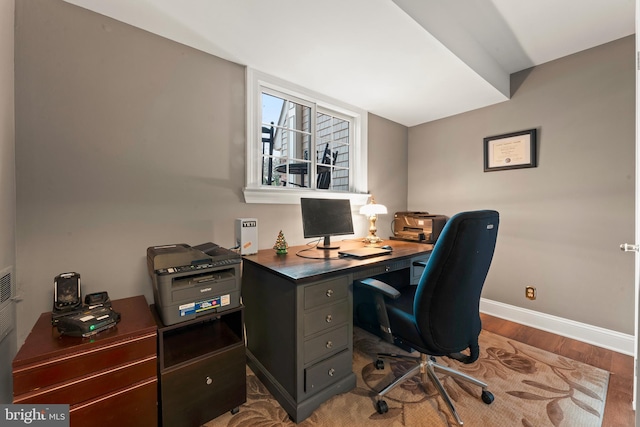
[(107, 379)]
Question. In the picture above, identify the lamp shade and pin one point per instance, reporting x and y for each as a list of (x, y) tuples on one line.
[(373, 208)]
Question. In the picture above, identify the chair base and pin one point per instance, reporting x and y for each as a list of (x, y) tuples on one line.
[(427, 366)]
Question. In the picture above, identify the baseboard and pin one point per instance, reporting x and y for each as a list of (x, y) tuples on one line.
[(606, 338)]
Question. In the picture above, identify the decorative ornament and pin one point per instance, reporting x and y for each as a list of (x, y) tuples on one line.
[(281, 244)]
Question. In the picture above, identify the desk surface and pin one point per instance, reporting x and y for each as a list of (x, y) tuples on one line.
[(307, 267)]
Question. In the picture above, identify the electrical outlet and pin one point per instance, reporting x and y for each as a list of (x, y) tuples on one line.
[(530, 292)]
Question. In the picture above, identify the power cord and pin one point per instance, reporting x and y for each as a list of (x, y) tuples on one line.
[(315, 246)]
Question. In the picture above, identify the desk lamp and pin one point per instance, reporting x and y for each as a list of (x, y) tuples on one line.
[(371, 210)]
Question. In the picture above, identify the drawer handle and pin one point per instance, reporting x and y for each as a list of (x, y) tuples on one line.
[(387, 268), (329, 344), (329, 293), (329, 318), (209, 381), (331, 372)]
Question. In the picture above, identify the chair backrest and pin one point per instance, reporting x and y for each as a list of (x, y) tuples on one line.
[(446, 304), (324, 175)]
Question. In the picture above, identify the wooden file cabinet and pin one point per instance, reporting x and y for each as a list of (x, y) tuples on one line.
[(202, 368), (108, 379)]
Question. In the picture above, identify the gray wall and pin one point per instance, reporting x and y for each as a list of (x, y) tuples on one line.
[(562, 222), (126, 140), (8, 345)]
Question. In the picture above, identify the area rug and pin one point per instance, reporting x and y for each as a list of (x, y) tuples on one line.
[(532, 387)]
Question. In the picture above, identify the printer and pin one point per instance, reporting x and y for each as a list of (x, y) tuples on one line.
[(417, 226), (192, 281)]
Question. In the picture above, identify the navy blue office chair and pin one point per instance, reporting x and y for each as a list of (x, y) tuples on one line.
[(440, 316)]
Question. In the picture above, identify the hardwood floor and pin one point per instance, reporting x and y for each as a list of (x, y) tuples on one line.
[(618, 410)]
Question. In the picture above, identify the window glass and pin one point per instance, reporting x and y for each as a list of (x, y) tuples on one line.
[(287, 141), (297, 141), (333, 150)]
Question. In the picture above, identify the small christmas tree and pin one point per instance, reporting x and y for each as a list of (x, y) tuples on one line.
[(281, 244)]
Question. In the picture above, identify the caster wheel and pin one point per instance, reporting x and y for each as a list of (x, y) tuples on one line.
[(235, 411), (487, 397), (379, 364), (381, 407)]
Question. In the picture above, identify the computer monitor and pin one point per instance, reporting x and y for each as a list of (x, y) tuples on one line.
[(326, 218)]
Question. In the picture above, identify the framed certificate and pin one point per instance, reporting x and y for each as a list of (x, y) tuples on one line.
[(510, 151)]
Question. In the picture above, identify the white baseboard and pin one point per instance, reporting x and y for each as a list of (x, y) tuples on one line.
[(606, 338)]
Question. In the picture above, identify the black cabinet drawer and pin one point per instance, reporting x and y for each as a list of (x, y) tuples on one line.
[(203, 390), (328, 371), (326, 292), (325, 344), (326, 317)]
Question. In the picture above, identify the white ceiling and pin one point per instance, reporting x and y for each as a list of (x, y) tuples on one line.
[(410, 61)]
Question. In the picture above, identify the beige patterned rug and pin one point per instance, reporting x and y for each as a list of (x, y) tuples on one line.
[(532, 387)]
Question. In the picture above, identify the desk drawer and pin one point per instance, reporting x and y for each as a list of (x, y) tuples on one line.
[(77, 365), (326, 317), (326, 344), (378, 269), (326, 292), (328, 371)]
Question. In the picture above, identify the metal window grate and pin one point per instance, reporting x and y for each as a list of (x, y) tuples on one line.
[(7, 307), (6, 290)]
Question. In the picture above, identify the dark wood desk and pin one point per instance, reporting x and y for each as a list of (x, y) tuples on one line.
[(299, 318), (108, 379)]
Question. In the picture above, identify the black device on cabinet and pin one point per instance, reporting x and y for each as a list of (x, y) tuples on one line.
[(66, 292)]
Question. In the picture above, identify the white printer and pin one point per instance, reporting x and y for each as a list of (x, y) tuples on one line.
[(191, 281)]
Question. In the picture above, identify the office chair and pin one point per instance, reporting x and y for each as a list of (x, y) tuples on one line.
[(440, 316)]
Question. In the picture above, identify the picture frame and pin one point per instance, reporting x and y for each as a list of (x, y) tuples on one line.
[(511, 151)]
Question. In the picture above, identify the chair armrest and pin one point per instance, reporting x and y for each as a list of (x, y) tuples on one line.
[(379, 286), (422, 264)]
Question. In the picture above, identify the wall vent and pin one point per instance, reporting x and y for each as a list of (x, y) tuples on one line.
[(7, 305)]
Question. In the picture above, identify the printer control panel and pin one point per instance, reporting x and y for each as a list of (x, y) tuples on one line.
[(198, 266)]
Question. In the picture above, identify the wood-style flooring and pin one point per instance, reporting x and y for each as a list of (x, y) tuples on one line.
[(618, 411)]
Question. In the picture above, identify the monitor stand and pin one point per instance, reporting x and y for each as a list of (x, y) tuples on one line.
[(327, 244)]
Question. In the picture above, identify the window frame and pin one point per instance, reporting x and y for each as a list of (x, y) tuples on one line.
[(254, 191)]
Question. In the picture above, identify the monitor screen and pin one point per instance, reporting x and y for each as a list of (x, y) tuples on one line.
[(326, 218)]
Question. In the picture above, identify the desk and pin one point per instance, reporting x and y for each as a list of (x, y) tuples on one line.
[(299, 318)]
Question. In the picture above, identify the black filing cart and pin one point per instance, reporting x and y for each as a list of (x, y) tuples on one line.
[(201, 368)]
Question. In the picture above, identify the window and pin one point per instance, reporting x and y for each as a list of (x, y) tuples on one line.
[(301, 144)]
